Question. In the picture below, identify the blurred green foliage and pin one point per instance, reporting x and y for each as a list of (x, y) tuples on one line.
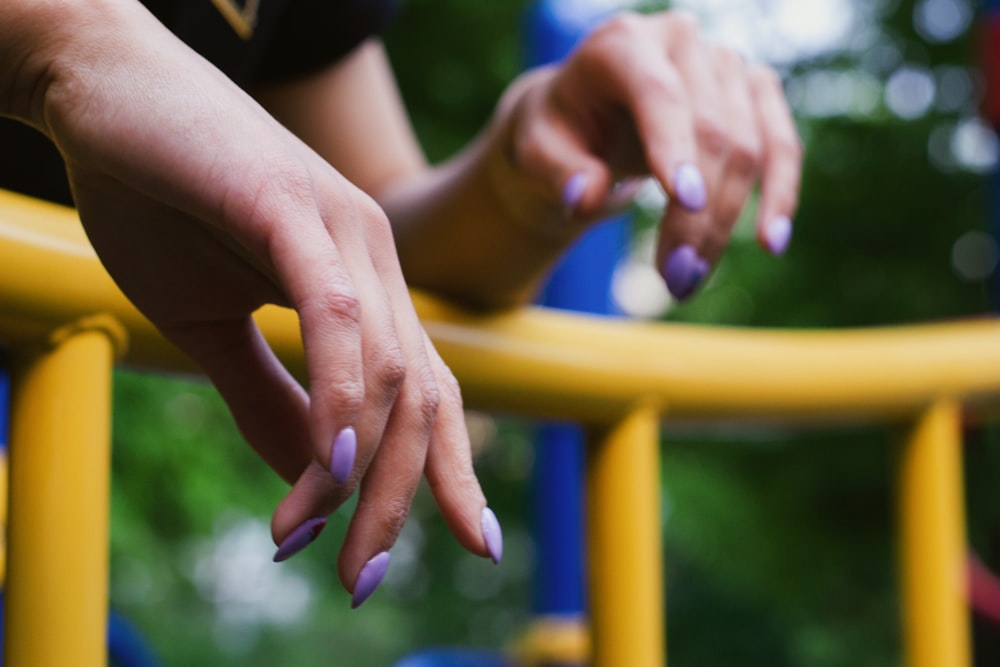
[(779, 545)]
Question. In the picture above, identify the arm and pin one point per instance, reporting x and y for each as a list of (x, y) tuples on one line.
[(641, 96), (455, 234), (203, 208)]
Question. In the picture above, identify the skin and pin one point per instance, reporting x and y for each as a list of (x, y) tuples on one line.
[(203, 207)]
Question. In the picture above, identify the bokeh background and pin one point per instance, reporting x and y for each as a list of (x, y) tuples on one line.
[(779, 546)]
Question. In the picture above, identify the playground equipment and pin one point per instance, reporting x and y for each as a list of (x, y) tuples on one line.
[(66, 325)]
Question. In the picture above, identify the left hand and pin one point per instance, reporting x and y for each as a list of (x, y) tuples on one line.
[(646, 95)]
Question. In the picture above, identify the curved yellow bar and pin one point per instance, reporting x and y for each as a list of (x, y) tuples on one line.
[(545, 363)]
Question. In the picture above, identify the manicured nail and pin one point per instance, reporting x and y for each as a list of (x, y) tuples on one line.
[(300, 538), (369, 578), (492, 535), (573, 192), (684, 271), (690, 187), (777, 234), (345, 447)]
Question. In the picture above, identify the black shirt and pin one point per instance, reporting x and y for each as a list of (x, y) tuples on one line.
[(251, 41)]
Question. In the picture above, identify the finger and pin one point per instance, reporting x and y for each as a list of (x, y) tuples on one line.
[(319, 287), (551, 157), (450, 474), (624, 62), (689, 240), (391, 479), (782, 161), (270, 408), (388, 486), (301, 514), (743, 159)]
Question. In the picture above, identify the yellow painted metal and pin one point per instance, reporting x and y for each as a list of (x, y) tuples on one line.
[(624, 543), (553, 640), (550, 364), (933, 547), (60, 463)]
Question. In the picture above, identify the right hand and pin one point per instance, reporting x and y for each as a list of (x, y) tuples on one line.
[(203, 208)]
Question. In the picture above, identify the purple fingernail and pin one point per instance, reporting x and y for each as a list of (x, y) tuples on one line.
[(690, 187), (573, 192), (683, 271), (345, 447), (304, 535), (777, 234), (369, 578), (492, 535)]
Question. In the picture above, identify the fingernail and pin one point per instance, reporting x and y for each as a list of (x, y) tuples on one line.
[(777, 234), (684, 271), (690, 187), (492, 535), (345, 447), (304, 535), (369, 578), (573, 192)]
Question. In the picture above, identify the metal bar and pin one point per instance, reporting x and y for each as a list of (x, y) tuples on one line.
[(625, 550), (57, 597), (933, 548), (556, 365)]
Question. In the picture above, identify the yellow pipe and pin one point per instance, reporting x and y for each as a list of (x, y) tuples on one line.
[(933, 548), (624, 544), (556, 364), (59, 499)]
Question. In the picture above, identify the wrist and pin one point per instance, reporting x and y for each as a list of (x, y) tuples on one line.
[(524, 201), (30, 35)]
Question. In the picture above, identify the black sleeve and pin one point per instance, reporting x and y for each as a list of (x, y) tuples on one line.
[(311, 34)]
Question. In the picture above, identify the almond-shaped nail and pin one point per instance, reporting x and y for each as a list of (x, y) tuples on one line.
[(572, 192), (345, 448), (492, 535), (297, 540), (777, 234), (689, 186), (369, 578), (683, 271)]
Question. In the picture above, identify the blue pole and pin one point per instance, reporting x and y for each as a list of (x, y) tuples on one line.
[(582, 282)]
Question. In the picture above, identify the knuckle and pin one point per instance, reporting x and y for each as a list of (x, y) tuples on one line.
[(529, 148), (340, 303), (712, 134), (788, 147), (746, 157), (622, 25), (425, 399), (390, 370), (390, 514), (666, 87), (449, 388), (727, 56), (682, 24), (347, 393), (766, 78)]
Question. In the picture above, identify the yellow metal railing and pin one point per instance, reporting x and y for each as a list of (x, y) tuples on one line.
[(66, 324)]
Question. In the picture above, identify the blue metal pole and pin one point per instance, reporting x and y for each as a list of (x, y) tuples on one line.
[(582, 282)]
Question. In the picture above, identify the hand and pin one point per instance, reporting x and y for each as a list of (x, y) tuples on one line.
[(203, 208), (646, 95)]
